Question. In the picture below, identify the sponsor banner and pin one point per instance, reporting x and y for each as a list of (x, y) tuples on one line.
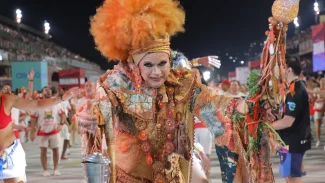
[(52, 70), (20, 70), (242, 74), (254, 64), (83, 65), (318, 35), (231, 76), (72, 78)]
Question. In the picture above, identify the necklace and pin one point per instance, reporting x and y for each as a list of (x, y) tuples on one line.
[(158, 149)]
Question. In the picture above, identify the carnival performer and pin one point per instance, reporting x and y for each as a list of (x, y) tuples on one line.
[(47, 123), (6, 89), (234, 90), (144, 104), (203, 139), (65, 132), (225, 85), (200, 165), (90, 140), (76, 103), (228, 158), (19, 115), (12, 159), (319, 109)]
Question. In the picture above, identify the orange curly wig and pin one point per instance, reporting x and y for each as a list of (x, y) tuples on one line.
[(120, 26)]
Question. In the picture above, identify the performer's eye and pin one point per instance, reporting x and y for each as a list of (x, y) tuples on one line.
[(163, 63), (147, 65)]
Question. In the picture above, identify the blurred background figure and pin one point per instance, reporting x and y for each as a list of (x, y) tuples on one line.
[(234, 90), (225, 85), (319, 109)]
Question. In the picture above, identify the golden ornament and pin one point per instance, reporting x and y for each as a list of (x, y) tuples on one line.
[(285, 11)]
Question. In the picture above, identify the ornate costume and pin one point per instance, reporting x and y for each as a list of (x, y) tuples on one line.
[(149, 131), (145, 128)]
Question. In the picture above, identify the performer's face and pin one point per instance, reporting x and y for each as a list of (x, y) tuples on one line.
[(234, 86), (154, 69), (224, 87), (47, 92), (6, 89), (322, 83), (289, 74), (89, 88)]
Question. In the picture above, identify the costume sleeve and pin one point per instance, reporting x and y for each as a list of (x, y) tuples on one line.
[(292, 105), (104, 109), (213, 110), (106, 102)]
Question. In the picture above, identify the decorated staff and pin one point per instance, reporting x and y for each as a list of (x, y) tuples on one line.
[(267, 91)]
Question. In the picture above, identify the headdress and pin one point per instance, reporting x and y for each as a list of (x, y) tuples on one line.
[(125, 29)]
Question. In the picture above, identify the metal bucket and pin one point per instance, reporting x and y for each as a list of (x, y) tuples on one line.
[(96, 173), (96, 168)]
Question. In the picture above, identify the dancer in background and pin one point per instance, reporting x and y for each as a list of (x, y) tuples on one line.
[(203, 145), (234, 90), (11, 151), (319, 109), (47, 124), (66, 128), (15, 115), (76, 103), (88, 139), (225, 85)]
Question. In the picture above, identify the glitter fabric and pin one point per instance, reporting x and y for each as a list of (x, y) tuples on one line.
[(285, 10)]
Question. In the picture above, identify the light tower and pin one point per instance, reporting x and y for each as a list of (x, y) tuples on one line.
[(19, 16), (46, 27), (317, 11), (296, 22)]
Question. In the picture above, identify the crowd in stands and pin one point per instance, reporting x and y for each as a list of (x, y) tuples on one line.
[(24, 46), (303, 36)]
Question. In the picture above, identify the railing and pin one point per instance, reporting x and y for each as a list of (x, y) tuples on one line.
[(82, 65), (89, 73), (15, 45), (22, 26), (305, 47)]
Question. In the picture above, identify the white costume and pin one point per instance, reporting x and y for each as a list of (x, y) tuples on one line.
[(318, 106), (66, 107), (204, 137), (13, 162)]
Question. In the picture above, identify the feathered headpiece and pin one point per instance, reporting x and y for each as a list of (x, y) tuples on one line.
[(128, 27)]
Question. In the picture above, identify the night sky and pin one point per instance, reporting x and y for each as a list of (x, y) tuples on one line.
[(213, 27)]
